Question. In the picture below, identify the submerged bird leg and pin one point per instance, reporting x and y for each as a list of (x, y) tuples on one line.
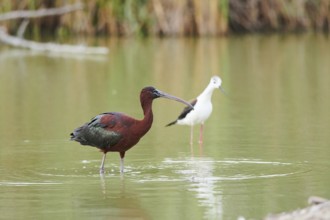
[(201, 133), (122, 155), (102, 164)]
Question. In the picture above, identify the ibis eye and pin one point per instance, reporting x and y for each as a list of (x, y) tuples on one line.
[(155, 93)]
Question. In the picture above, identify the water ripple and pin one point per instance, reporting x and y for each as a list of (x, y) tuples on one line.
[(8, 183), (233, 169)]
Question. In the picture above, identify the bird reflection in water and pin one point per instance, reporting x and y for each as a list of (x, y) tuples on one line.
[(199, 172)]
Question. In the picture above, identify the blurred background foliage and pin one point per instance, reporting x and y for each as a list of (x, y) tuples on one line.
[(173, 17)]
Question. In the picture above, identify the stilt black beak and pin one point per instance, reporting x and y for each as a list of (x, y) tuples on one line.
[(223, 91)]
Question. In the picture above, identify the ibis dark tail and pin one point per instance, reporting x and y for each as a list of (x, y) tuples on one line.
[(76, 135)]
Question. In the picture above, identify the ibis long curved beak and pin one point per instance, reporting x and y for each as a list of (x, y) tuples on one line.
[(168, 96)]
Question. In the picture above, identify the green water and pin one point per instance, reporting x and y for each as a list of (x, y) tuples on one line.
[(266, 146)]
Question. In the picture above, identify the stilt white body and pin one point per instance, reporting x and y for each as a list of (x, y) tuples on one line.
[(202, 109)]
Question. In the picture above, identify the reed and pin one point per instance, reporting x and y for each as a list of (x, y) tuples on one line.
[(173, 17), (279, 15)]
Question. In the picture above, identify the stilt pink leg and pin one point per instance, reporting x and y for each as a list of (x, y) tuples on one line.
[(201, 139), (191, 134), (102, 164), (201, 134)]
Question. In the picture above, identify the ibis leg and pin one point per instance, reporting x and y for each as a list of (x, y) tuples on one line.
[(102, 164), (201, 133), (122, 155)]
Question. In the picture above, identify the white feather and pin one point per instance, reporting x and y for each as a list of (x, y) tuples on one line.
[(203, 107)]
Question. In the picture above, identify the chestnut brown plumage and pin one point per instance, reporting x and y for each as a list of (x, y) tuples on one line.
[(114, 131)]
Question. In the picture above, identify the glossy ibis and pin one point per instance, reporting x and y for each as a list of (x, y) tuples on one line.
[(201, 111), (114, 131)]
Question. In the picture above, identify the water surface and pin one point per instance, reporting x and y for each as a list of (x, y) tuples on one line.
[(266, 146)]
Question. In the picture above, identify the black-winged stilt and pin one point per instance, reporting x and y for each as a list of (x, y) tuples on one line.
[(201, 111)]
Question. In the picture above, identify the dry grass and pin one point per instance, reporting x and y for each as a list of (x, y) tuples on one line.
[(174, 18), (279, 15)]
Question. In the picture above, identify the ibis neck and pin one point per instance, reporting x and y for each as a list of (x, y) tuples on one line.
[(146, 122)]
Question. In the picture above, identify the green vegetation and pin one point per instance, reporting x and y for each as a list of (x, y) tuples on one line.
[(174, 18)]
